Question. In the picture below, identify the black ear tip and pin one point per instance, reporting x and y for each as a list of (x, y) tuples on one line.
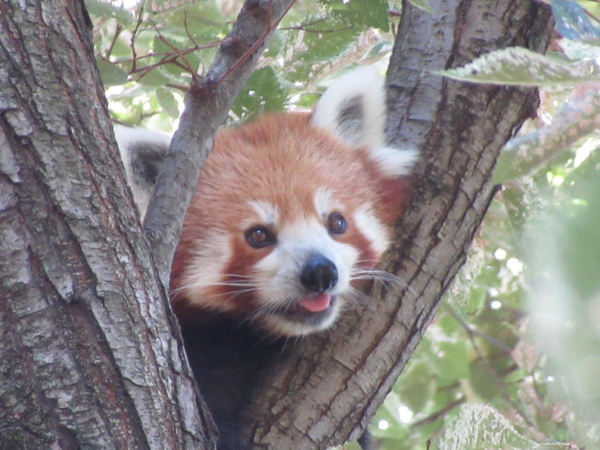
[(146, 160), (351, 119), (353, 108)]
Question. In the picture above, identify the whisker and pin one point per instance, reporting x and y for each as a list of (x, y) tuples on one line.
[(356, 299), (237, 275), (385, 277)]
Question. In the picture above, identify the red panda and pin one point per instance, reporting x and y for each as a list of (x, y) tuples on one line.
[(291, 212)]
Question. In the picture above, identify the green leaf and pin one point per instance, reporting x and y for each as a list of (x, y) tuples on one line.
[(417, 386), (336, 37), (454, 360), (522, 67), (421, 4), (105, 9), (167, 102), (481, 427), (359, 13), (482, 382), (578, 241), (262, 93), (111, 74), (515, 201), (578, 50), (157, 77), (572, 22), (573, 121)]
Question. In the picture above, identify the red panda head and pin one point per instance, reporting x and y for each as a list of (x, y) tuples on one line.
[(291, 212)]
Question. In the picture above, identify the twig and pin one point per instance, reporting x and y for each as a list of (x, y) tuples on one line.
[(492, 372), (133, 36), (304, 27), (187, 65), (183, 51), (442, 412), (118, 30), (308, 24), (259, 41), (474, 332), (589, 14), (179, 87), (308, 30), (187, 30)]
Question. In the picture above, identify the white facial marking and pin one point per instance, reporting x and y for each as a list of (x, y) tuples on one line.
[(287, 328), (205, 270), (394, 162), (267, 212), (278, 274), (372, 229), (323, 202)]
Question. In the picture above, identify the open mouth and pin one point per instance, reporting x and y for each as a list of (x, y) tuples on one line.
[(313, 309)]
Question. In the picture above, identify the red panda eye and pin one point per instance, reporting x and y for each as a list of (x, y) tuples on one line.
[(336, 224), (259, 237)]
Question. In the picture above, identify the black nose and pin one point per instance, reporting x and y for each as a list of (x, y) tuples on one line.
[(319, 274)]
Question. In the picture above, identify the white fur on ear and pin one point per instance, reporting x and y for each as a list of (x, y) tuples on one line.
[(353, 109)]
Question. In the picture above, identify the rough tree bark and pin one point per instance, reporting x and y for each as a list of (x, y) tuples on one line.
[(335, 383), (86, 354), (87, 357)]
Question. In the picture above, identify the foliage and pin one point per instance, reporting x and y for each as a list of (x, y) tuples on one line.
[(148, 54), (521, 321)]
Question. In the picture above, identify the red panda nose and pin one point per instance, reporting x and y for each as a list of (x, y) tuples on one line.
[(319, 274)]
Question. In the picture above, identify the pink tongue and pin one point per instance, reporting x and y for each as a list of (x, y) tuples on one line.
[(317, 303)]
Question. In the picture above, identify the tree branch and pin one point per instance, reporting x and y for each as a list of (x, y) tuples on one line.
[(206, 108)]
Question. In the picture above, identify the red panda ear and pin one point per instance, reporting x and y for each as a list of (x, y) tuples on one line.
[(142, 152), (353, 109)]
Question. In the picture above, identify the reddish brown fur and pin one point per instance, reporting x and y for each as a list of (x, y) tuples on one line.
[(282, 159)]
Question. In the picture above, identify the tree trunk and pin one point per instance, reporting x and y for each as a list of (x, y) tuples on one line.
[(87, 354), (87, 358), (328, 392)]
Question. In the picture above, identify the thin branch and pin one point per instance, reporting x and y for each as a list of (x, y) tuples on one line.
[(441, 413), (118, 30), (499, 383), (187, 30), (308, 24), (474, 332), (183, 51), (589, 14), (308, 30), (134, 35), (304, 27), (179, 87), (186, 63), (260, 41)]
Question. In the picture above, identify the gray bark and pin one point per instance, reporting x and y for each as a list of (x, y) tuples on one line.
[(333, 386), (87, 354)]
